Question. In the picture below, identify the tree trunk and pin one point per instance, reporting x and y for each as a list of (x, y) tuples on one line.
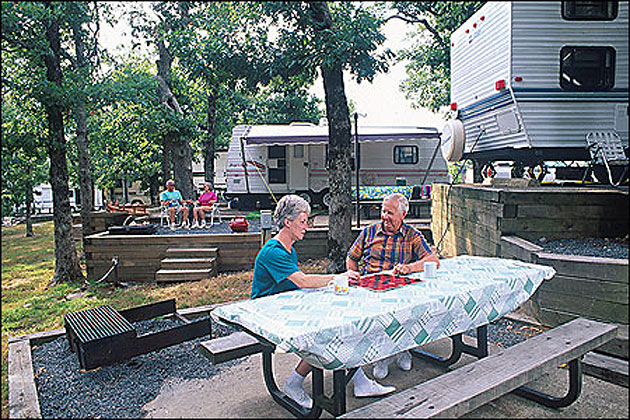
[(177, 147), (85, 179), (182, 168), (208, 146), (339, 152), (167, 173), (29, 205), (339, 169), (66, 261)]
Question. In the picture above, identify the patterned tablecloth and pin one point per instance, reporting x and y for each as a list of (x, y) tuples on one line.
[(344, 331)]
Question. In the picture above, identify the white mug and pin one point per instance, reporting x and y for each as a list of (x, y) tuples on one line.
[(339, 284), (430, 270)]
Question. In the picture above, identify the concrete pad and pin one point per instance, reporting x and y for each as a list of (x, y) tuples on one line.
[(240, 392)]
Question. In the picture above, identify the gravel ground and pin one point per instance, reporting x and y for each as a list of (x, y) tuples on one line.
[(222, 227), (592, 247), (120, 391)]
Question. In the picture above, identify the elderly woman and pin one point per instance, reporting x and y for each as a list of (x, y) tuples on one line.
[(276, 270), (204, 203)]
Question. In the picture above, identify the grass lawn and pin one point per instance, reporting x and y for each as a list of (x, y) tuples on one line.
[(29, 305)]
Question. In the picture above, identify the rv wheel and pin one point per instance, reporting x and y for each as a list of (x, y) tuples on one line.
[(306, 196), (234, 203)]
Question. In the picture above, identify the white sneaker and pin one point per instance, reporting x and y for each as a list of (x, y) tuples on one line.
[(185, 225), (381, 369), (372, 388), (298, 395), (203, 224), (172, 226), (195, 225), (404, 360)]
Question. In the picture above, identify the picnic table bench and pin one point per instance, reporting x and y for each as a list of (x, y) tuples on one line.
[(462, 390)]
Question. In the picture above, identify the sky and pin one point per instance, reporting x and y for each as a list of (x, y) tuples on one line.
[(378, 103)]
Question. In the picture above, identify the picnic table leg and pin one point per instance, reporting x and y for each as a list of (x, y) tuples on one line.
[(575, 389), (459, 347), (283, 399)]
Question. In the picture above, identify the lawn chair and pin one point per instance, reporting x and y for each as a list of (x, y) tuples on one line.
[(215, 211), (606, 149), (164, 220)]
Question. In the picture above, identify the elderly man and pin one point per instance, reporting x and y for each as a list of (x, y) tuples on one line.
[(173, 201), (390, 245)]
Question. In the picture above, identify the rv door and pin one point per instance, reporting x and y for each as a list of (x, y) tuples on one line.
[(298, 167)]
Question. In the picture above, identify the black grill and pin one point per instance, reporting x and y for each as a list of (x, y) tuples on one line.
[(103, 336)]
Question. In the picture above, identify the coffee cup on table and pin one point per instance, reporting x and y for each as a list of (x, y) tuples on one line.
[(339, 284), (430, 270)]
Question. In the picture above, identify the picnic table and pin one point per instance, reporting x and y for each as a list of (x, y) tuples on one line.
[(343, 332)]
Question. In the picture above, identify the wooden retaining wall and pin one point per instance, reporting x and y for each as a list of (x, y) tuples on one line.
[(475, 216), (140, 255), (591, 287)]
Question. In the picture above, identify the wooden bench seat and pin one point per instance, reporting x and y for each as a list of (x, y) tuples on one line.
[(462, 390), (230, 347)]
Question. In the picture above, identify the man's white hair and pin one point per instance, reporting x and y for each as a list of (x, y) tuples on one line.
[(403, 203)]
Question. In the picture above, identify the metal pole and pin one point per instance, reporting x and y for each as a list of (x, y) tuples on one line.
[(357, 161)]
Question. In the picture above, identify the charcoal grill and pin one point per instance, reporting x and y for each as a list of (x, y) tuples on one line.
[(103, 336)]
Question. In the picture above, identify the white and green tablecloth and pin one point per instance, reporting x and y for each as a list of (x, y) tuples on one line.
[(343, 331)]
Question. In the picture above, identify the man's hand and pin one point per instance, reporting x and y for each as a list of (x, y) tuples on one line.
[(402, 269), (352, 275)]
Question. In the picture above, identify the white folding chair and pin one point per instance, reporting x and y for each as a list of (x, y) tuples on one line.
[(606, 149), (215, 211)]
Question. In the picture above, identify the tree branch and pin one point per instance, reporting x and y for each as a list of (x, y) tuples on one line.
[(424, 22)]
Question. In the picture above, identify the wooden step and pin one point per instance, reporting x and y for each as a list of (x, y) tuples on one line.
[(187, 263), (192, 252), (167, 276)]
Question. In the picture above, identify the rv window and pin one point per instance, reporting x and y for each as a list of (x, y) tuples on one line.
[(587, 68), (277, 171), (298, 151), (406, 155), (589, 10)]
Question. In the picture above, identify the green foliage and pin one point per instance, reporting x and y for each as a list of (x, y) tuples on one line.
[(428, 72), (353, 41), (24, 163)]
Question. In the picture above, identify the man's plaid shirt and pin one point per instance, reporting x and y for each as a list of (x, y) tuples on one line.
[(375, 250)]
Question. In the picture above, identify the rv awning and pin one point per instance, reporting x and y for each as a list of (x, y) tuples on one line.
[(314, 134)]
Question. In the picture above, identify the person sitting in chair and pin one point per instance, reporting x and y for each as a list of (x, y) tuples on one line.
[(173, 201), (204, 203)]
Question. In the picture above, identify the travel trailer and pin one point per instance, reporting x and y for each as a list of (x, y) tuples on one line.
[(279, 159), (43, 199), (531, 79)]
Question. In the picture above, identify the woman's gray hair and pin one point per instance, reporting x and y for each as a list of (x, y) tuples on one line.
[(403, 203), (289, 207)]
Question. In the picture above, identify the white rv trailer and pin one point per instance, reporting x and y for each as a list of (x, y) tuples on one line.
[(530, 79), (284, 159), (43, 199)]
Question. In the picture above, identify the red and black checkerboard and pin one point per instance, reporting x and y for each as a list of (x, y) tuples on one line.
[(380, 281)]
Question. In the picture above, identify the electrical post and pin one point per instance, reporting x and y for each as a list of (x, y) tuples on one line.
[(357, 164), (265, 226)]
